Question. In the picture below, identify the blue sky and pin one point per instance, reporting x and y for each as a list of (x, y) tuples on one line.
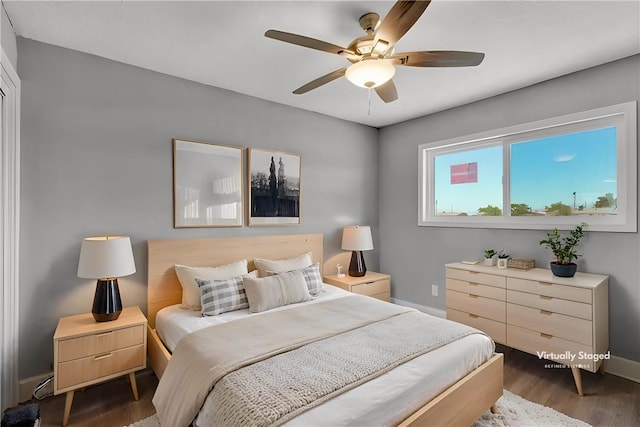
[(543, 171)]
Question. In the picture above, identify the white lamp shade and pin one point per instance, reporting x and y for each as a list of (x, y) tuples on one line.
[(370, 73), (357, 238), (106, 257)]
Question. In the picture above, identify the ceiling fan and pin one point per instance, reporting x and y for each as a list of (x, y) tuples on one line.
[(372, 56)]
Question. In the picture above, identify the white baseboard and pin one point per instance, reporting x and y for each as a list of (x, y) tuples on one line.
[(423, 308), (28, 385), (625, 368), (617, 366)]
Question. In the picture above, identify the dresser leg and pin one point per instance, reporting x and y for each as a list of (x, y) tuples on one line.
[(134, 385), (577, 377), (601, 368), (68, 401)]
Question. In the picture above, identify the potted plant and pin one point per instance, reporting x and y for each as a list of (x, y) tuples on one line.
[(502, 259), (564, 249), (490, 257)]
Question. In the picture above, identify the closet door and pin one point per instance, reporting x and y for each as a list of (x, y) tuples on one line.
[(9, 230)]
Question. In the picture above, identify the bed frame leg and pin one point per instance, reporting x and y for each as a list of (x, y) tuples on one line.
[(494, 409)]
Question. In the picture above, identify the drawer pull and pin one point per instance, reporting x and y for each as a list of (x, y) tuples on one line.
[(474, 272), (546, 313), (545, 283), (473, 316), (103, 356), (104, 334), (473, 296), (547, 336), (546, 298), (472, 284)]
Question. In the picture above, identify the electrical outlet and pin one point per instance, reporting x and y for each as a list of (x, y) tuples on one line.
[(434, 290)]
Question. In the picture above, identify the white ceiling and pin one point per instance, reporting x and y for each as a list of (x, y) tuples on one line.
[(222, 43)]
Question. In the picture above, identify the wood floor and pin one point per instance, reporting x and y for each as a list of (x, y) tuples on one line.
[(608, 401)]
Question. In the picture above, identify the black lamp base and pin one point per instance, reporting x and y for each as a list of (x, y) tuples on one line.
[(357, 268), (107, 305)]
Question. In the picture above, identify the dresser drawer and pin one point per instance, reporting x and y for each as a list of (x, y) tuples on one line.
[(372, 288), (473, 304), (550, 347), (571, 293), (557, 305), (86, 369), (548, 322), (75, 348), (476, 277), (495, 330), (476, 289)]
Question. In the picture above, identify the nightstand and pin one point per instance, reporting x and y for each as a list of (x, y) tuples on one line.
[(376, 285), (87, 352)]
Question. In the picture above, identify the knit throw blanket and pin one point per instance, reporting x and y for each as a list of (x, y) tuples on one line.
[(264, 370)]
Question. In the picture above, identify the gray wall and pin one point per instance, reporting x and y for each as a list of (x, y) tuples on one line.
[(97, 159), (414, 256), (7, 37)]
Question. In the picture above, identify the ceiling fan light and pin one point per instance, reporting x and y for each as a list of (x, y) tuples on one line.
[(370, 73)]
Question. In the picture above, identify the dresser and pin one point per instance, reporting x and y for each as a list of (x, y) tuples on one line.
[(87, 352), (565, 320), (373, 284)]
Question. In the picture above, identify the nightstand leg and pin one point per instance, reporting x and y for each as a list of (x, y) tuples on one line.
[(577, 377), (68, 401), (134, 386)]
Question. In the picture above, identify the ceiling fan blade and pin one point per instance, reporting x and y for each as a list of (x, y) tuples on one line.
[(399, 20), (387, 92), (438, 58), (309, 42), (320, 81)]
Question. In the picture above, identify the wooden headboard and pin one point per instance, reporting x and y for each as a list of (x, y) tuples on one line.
[(163, 287)]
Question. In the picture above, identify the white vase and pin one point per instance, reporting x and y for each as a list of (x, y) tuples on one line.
[(502, 262), (490, 261)]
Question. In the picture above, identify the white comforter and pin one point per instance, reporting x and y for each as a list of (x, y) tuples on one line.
[(386, 400)]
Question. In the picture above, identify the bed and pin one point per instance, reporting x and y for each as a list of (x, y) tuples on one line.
[(457, 400)]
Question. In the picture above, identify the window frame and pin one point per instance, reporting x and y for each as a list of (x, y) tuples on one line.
[(622, 116)]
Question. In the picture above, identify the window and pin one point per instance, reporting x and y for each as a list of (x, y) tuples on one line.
[(553, 173)]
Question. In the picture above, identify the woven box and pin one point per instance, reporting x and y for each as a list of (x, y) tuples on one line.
[(521, 263)]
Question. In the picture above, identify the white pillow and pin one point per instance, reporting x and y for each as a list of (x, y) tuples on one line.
[(311, 276), (275, 291), (266, 266), (187, 277)]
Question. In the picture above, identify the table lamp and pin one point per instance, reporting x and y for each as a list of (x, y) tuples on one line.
[(357, 238), (106, 259)]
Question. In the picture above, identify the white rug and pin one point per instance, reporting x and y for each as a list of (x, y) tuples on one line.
[(513, 411)]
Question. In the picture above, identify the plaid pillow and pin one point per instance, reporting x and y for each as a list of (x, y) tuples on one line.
[(312, 277), (220, 296)]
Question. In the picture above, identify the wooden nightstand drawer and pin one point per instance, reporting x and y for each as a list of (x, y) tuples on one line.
[(494, 329), (570, 293), (76, 372), (557, 305), (559, 325), (76, 348), (376, 285), (476, 277), (476, 289), (86, 352), (477, 305), (372, 288)]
